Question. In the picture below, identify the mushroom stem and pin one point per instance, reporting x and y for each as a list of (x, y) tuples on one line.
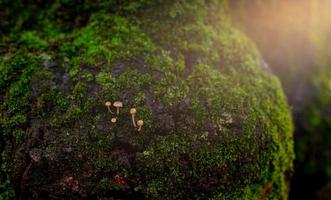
[(109, 109), (118, 111), (133, 112), (139, 128), (108, 104), (133, 121)]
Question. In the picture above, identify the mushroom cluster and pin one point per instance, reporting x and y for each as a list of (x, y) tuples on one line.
[(133, 112), (139, 123)]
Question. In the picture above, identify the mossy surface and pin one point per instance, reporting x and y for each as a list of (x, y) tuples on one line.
[(216, 124)]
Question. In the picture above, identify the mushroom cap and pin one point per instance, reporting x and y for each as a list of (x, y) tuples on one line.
[(113, 120), (108, 103), (118, 104), (133, 111), (140, 122)]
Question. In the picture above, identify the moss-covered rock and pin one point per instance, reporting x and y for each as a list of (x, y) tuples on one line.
[(216, 124)]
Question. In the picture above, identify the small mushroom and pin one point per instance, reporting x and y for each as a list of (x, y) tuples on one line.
[(140, 123), (113, 120), (118, 105), (133, 112), (108, 104)]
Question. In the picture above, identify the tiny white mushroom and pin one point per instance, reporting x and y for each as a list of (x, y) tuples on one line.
[(133, 112), (140, 123), (118, 105), (108, 104), (113, 120)]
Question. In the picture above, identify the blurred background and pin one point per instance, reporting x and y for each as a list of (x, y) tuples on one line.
[(294, 37)]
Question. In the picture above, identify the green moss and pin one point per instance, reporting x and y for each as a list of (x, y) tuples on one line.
[(30, 39), (216, 125)]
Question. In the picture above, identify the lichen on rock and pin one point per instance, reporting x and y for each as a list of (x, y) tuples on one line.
[(216, 124)]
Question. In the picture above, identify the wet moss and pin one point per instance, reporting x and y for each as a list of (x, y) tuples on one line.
[(216, 124)]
